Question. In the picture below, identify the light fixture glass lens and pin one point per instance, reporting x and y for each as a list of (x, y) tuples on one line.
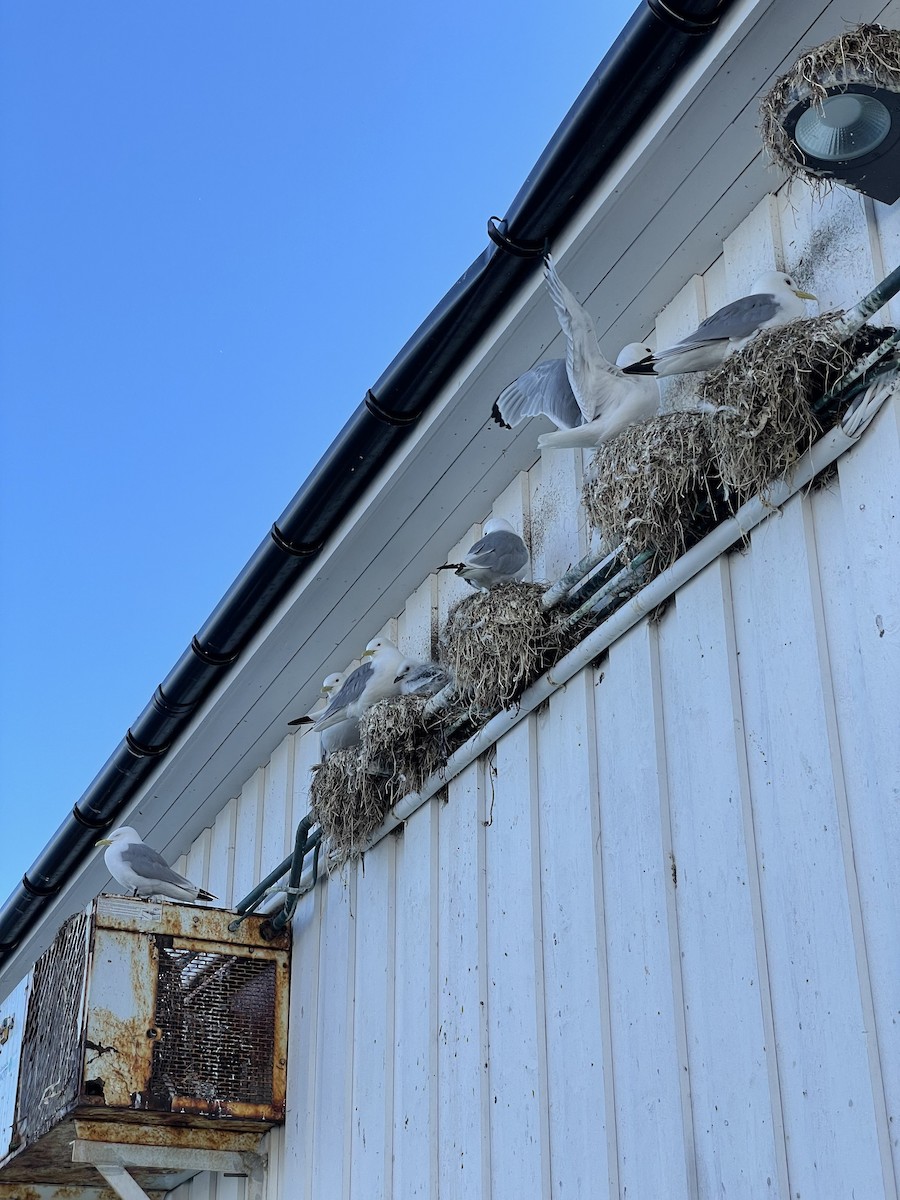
[(842, 127)]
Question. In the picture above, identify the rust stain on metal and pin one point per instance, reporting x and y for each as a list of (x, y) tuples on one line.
[(216, 1137)]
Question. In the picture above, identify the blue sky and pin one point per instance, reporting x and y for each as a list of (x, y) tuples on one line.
[(201, 204)]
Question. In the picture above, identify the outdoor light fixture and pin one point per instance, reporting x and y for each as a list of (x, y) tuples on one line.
[(835, 115), (852, 136)]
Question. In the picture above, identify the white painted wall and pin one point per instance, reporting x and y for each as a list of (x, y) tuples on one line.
[(646, 947)]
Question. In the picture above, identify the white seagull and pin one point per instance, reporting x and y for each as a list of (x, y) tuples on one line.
[(500, 556), (144, 872), (373, 680), (343, 735), (587, 397), (775, 300)]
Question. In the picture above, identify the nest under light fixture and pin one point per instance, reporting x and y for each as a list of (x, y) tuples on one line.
[(835, 116)]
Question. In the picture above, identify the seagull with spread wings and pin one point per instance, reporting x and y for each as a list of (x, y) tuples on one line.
[(588, 398)]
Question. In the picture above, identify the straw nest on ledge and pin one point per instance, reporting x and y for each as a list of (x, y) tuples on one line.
[(496, 643), (869, 54), (764, 393), (653, 488)]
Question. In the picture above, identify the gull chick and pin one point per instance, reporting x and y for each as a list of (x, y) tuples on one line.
[(422, 678), (588, 398), (144, 872), (775, 300), (373, 680), (500, 556)]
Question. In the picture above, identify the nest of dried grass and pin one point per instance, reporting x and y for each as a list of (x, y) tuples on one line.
[(496, 643), (400, 741), (768, 386), (653, 488), (868, 54), (348, 803)]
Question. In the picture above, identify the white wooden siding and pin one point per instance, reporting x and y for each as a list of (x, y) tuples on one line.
[(647, 946)]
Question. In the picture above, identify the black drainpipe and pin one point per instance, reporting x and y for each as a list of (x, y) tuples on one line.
[(646, 59)]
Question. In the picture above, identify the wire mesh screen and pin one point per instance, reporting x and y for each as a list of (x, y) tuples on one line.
[(216, 1018), (50, 1071)]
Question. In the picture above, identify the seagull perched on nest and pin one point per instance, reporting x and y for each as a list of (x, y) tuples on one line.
[(137, 867), (373, 680), (587, 397), (341, 736), (775, 300), (500, 556), (422, 678)]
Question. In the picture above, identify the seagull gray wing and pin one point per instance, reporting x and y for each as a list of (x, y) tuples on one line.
[(501, 551), (585, 363), (349, 691), (545, 389), (151, 866), (737, 320)]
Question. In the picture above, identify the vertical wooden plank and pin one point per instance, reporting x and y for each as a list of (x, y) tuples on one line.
[(863, 832), (417, 625), (558, 534), (230, 1187), (307, 752), (332, 1121), (653, 1157), (680, 317), (580, 1130), (754, 247), (276, 838), (717, 286), (197, 860), (464, 1137), (739, 1140), (304, 1045), (516, 1027), (221, 855), (246, 840), (416, 1112), (373, 1028), (819, 1024), (887, 228), (826, 243)]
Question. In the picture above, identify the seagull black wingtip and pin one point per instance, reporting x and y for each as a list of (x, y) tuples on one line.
[(495, 414), (644, 366)]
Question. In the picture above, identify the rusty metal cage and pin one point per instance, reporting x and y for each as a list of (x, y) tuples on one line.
[(152, 1018)]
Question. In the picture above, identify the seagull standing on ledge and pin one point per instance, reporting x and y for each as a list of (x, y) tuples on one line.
[(775, 300), (144, 872), (587, 397), (342, 736), (373, 680), (499, 557)]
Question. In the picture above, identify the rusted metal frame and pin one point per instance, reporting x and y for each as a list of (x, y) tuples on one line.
[(113, 1158)]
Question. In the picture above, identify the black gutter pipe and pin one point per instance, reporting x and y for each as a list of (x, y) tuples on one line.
[(646, 59)]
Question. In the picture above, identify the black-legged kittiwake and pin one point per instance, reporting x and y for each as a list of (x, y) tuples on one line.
[(373, 680), (775, 300), (500, 556), (587, 397), (343, 735), (137, 867)]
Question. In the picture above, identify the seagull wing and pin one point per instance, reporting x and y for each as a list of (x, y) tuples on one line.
[(737, 320), (151, 866), (499, 551), (348, 693), (545, 389), (591, 375)]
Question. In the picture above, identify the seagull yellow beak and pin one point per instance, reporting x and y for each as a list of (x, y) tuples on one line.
[(367, 654), (103, 842), (805, 295)]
